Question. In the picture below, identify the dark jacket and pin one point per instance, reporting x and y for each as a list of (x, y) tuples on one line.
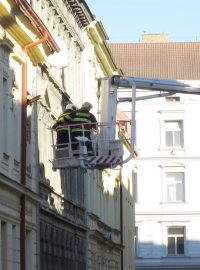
[(63, 121), (85, 117)]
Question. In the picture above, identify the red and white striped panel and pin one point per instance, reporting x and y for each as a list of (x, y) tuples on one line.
[(103, 160)]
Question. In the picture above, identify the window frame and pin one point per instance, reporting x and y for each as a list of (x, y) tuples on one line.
[(173, 169), (176, 236), (135, 185), (136, 241), (173, 99), (173, 116), (174, 184), (173, 131)]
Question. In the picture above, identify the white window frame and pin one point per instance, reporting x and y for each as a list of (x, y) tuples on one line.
[(174, 127), (173, 99), (166, 183), (171, 116), (176, 236)]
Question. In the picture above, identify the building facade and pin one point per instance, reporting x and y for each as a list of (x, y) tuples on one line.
[(52, 53), (166, 168), (18, 173)]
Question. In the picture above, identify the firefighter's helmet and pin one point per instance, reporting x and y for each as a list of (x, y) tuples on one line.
[(70, 107), (87, 106)]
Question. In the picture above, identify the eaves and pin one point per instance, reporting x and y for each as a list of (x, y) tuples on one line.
[(81, 12), (55, 5), (98, 37), (100, 237), (24, 26)]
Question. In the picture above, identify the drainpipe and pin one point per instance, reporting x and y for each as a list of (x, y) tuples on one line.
[(23, 152)]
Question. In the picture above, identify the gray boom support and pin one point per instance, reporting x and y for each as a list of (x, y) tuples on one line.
[(153, 84), (165, 87)]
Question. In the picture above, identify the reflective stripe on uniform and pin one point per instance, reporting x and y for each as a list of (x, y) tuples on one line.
[(82, 120), (62, 129), (63, 120), (64, 116), (83, 114), (81, 117), (77, 129)]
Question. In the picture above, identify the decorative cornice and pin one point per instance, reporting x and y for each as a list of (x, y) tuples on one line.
[(18, 188), (105, 240), (56, 7), (98, 37), (24, 26), (81, 12), (7, 44)]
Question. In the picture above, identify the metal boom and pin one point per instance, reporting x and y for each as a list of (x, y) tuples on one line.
[(173, 86)]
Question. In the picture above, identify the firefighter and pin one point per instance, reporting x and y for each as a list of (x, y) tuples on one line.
[(87, 122), (62, 126)]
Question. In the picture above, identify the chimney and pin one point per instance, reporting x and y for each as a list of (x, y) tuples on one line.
[(155, 38)]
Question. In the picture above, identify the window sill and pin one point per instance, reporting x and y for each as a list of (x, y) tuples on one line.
[(16, 163), (6, 156), (172, 151), (175, 202), (176, 256), (164, 148)]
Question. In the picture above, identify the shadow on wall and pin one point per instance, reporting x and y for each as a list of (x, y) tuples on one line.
[(71, 204), (172, 257)]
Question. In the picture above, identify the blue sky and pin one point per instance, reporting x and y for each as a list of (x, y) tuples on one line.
[(126, 20)]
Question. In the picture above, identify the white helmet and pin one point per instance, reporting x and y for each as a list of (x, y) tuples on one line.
[(70, 107), (87, 106)]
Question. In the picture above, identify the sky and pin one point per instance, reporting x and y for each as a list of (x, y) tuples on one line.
[(126, 20)]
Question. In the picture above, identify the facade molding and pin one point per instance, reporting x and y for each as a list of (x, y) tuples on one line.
[(80, 15), (98, 37), (18, 188), (24, 29)]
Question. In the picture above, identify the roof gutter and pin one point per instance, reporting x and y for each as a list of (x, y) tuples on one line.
[(46, 37), (28, 11)]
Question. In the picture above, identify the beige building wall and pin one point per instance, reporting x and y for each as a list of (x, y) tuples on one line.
[(13, 37), (72, 75), (110, 193), (128, 211), (102, 187)]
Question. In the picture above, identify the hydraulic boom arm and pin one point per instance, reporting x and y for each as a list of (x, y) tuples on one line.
[(153, 84)]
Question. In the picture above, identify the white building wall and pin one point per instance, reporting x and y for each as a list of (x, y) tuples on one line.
[(102, 188), (153, 213), (128, 220)]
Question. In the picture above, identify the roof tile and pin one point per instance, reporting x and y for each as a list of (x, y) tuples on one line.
[(170, 60)]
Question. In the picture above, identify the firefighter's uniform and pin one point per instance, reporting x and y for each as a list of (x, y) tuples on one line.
[(83, 122), (62, 127)]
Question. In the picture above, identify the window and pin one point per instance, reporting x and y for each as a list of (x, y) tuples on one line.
[(61, 249), (136, 241), (174, 186), (135, 191), (172, 99), (4, 244), (5, 114), (15, 246), (123, 125), (175, 243), (174, 133), (73, 184), (28, 249)]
